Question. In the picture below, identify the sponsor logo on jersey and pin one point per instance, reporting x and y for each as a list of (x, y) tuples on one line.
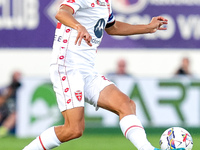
[(95, 41), (78, 95), (99, 28), (58, 38)]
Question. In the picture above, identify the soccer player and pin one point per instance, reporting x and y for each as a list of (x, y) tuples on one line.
[(78, 34)]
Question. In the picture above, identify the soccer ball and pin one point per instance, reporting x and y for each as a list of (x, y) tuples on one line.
[(176, 137)]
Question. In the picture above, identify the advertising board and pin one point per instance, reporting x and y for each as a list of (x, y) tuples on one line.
[(31, 23), (160, 103)]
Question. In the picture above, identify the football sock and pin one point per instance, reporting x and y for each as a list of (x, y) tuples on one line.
[(47, 140), (134, 131)]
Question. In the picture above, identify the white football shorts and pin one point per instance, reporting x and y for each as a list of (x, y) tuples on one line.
[(73, 87)]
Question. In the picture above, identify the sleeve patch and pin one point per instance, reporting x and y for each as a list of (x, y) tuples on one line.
[(111, 18), (110, 24)]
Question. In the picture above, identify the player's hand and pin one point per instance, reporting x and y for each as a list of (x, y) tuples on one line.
[(82, 34), (156, 24)]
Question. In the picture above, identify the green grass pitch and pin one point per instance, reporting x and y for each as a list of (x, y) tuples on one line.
[(93, 141)]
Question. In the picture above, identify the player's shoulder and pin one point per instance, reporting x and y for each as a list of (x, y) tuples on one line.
[(83, 3), (77, 4), (86, 3)]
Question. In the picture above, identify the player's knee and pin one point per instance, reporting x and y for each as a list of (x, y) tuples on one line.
[(132, 105), (72, 132), (78, 132), (128, 107)]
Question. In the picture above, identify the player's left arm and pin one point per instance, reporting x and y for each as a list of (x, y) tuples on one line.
[(122, 28)]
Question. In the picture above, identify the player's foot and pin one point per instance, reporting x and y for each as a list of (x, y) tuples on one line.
[(173, 149)]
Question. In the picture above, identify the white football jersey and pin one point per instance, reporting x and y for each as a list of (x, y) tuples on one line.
[(94, 15)]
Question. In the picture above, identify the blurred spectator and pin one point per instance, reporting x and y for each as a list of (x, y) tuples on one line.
[(8, 104), (184, 68), (121, 70)]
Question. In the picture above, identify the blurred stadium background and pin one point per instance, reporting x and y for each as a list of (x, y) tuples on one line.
[(163, 99)]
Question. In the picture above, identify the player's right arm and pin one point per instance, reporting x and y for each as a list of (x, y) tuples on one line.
[(65, 16)]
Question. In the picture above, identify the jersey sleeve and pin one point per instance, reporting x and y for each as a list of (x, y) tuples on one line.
[(111, 21), (111, 18), (74, 4)]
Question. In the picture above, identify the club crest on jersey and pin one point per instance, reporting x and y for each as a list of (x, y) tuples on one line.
[(78, 95)]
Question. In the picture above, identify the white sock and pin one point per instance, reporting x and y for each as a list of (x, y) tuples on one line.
[(47, 140), (134, 131)]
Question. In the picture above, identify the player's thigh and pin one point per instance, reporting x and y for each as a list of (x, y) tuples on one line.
[(94, 84), (68, 85), (112, 99)]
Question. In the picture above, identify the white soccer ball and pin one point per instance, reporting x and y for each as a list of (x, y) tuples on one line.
[(176, 137)]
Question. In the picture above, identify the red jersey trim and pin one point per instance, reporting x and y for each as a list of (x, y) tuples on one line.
[(59, 25)]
